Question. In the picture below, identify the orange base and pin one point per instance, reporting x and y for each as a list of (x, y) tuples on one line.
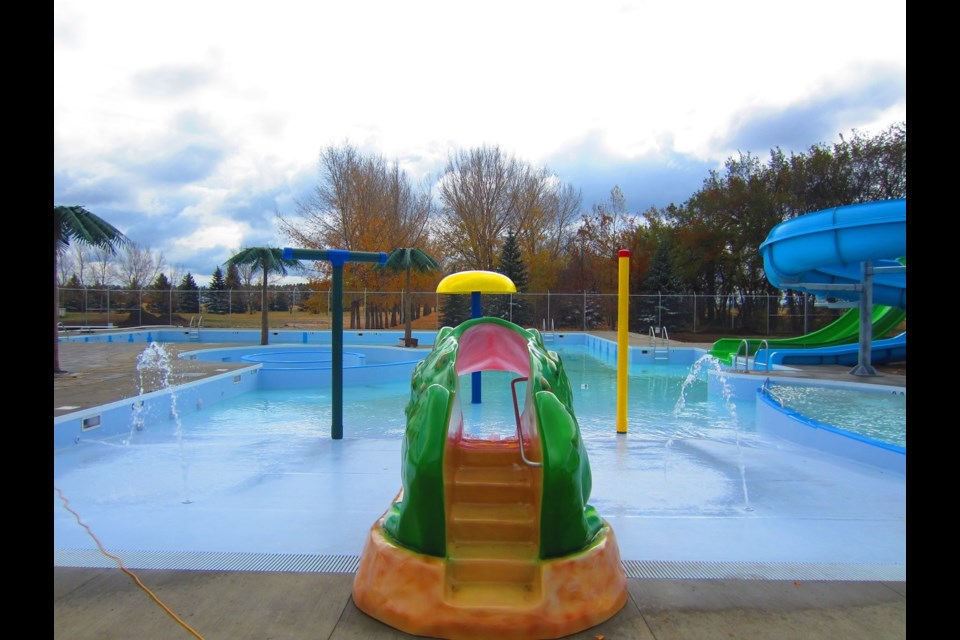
[(409, 592)]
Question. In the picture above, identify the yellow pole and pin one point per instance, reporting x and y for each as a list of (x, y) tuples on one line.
[(623, 338)]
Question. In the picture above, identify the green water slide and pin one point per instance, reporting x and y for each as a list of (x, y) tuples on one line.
[(844, 330), (419, 520)]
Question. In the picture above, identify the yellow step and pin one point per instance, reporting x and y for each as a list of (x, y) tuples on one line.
[(487, 595), (493, 550), (506, 484), (477, 522), (477, 570)]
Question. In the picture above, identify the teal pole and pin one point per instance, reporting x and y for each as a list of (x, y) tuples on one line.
[(336, 424), (337, 258)]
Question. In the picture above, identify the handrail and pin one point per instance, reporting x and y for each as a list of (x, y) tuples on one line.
[(746, 357), (765, 388), (763, 345), (516, 412), (654, 334)]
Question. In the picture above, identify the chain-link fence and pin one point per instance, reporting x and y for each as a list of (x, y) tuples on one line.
[(297, 308)]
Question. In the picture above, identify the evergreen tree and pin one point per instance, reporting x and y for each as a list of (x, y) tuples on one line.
[(187, 299), (233, 301), (71, 294), (158, 299), (655, 308), (454, 309), (511, 264), (216, 298)]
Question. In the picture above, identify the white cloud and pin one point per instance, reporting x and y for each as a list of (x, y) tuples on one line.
[(240, 97)]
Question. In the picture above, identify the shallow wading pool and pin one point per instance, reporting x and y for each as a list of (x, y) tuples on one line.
[(248, 475)]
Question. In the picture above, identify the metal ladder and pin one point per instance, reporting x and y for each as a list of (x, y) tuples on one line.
[(195, 323), (745, 347), (660, 341), (549, 330)]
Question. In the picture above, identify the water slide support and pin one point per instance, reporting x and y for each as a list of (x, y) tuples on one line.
[(864, 356)]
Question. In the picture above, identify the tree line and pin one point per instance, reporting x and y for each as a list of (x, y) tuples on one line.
[(492, 211)]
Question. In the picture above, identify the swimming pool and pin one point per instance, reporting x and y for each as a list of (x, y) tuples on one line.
[(694, 481)]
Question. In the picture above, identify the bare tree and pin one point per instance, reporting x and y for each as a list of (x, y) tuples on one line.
[(101, 267), (66, 266), (478, 191), (485, 193), (362, 203), (138, 266), (546, 210)]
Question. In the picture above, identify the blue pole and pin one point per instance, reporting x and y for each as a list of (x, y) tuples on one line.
[(475, 311)]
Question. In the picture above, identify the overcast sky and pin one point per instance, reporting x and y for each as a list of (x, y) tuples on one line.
[(189, 124)]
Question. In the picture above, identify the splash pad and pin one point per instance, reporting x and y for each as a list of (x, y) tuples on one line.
[(491, 538)]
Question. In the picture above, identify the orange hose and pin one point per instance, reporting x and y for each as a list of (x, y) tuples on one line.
[(66, 505)]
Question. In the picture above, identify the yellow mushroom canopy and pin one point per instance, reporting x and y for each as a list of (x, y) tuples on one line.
[(480, 281)]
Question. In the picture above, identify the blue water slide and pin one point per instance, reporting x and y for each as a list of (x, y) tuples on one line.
[(828, 247), (881, 351)]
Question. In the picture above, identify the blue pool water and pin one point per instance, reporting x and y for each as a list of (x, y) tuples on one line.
[(694, 479), (880, 413)]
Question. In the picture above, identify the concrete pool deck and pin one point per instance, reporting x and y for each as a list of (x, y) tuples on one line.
[(105, 603)]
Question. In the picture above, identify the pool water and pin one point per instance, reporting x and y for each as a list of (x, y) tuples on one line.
[(879, 414), (692, 480), (665, 402)]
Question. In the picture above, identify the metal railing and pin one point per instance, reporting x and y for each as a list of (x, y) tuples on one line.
[(516, 413), (658, 335)]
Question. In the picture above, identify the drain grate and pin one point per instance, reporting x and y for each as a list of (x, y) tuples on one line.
[(764, 571), (209, 561), (636, 569)]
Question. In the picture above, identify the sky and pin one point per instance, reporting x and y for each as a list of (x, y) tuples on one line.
[(189, 125)]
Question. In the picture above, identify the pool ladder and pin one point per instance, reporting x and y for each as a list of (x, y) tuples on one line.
[(745, 347), (195, 323), (658, 337), (549, 330)]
